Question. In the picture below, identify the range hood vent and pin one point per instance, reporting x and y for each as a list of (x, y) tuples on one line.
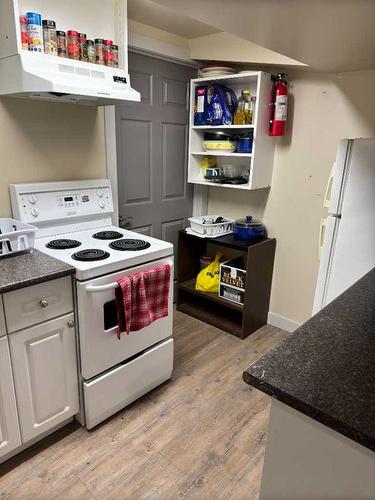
[(40, 76)]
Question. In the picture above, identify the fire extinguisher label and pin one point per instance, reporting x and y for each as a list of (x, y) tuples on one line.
[(281, 107)]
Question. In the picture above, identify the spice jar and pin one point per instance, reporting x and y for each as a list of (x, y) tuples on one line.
[(61, 43), (91, 54), (99, 48), (108, 52), (35, 32), (73, 45), (115, 56), (24, 34), (83, 47), (49, 37)]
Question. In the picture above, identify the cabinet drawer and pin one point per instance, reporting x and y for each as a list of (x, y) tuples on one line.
[(35, 304), (45, 375), (115, 389), (2, 319)]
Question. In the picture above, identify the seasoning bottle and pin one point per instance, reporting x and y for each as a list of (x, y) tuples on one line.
[(83, 47), (115, 56), (61, 43), (91, 54), (24, 35), (73, 45), (49, 37), (243, 114), (108, 52), (99, 50), (34, 30)]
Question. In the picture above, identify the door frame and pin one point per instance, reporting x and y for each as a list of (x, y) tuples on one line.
[(200, 194)]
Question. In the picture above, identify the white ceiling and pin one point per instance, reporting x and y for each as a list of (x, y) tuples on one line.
[(328, 35), (157, 16)]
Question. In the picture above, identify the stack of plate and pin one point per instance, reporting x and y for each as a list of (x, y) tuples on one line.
[(212, 71)]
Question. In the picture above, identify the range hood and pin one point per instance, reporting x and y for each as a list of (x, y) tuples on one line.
[(40, 76)]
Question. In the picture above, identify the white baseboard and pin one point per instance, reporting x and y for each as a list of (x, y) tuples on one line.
[(286, 324)]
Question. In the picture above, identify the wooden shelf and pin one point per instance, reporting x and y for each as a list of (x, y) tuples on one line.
[(237, 319), (217, 184), (213, 317), (189, 286)]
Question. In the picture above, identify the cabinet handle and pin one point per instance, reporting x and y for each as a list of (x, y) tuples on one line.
[(43, 303), (70, 324)]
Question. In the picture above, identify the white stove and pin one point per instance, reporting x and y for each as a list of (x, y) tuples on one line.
[(94, 257), (75, 226)]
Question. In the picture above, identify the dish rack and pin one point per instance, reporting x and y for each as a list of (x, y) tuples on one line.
[(16, 237), (204, 226)]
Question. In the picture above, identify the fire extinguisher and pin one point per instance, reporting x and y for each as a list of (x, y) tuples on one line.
[(279, 104)]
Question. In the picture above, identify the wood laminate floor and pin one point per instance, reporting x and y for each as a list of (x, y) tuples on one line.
[(200, 435)]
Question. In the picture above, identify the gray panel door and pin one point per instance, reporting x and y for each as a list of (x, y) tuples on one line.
[(154, 197)]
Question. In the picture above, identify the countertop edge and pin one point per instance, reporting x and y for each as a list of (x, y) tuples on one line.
[(310, 411), (36, 280)]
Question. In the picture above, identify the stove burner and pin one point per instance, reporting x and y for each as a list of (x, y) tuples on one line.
[(90, 254), (107, 235), (63, 244), (126, 244)]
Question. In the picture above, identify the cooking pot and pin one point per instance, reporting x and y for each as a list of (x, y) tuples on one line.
[(248, 229)]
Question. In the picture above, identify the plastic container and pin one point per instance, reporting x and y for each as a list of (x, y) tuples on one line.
[(15, 237), (82, 39), (35, 32), (115, 56), (73, 45), (61, 44), (99, 48), (24, 33), (204, 225), (49, 37), (219, 146), (91, 52)]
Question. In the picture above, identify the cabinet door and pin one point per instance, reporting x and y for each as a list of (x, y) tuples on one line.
[(45, 375), (9, 430)]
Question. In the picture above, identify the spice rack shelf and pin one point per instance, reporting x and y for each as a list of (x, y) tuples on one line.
[(239, 320), (259, 163)]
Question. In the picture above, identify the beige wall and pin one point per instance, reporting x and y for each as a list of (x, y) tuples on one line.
[(42, 141), (324, 109)]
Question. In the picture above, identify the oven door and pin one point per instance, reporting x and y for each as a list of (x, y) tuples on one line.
[(100, 348)]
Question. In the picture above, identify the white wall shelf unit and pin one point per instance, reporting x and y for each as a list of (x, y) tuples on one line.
[(259, 163)]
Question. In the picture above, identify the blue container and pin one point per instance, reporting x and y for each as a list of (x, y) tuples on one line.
[(245, 144), (248, 229)]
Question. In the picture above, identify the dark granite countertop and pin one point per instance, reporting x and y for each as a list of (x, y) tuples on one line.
[(26, 269), (326, 368)]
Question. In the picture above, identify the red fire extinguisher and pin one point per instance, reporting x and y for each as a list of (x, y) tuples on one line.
[(278, 105)]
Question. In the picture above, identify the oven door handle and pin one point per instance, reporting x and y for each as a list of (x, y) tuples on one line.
[(101, 288)]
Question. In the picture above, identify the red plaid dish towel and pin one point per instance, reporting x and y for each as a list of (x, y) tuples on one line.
[(142, 298)]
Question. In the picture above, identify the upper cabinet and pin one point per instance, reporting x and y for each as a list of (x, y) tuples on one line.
[(24, 73), (255, 166)]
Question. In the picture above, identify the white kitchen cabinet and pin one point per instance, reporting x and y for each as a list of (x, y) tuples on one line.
[(45, 375), (9, 428), (258, 163), (3, 330)]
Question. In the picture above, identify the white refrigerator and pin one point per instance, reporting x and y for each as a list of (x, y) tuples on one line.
[(347, 234)]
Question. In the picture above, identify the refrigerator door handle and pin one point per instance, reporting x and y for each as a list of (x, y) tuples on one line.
[(328, 193), (322, 231)]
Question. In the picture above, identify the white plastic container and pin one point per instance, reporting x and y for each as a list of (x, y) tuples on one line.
[(203, 226), (15, 237)]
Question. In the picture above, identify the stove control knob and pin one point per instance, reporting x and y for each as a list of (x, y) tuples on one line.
[(101, 203), (34, 212), (100, 193), (32, 198)]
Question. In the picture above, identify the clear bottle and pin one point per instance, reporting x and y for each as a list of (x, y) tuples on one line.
[(82, 38), (99, 46), (61, 43), (244, 114), (49, 37), (91, 52)]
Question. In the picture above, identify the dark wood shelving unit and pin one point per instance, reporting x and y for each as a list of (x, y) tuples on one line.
[(237, 319)]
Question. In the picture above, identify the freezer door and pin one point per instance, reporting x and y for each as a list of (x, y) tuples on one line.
[(354, 244), (337, 180)]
